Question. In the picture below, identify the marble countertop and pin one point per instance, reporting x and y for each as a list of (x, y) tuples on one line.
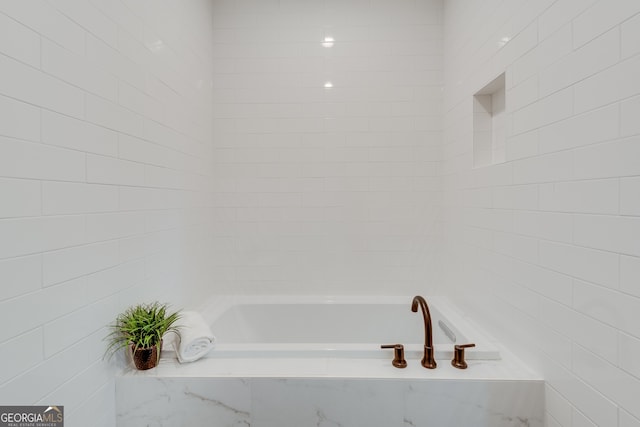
[(508, 368)]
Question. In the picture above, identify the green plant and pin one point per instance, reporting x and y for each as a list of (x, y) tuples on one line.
[(141, 326)]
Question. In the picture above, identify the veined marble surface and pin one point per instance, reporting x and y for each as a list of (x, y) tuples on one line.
[(272, 402), (329, 393)]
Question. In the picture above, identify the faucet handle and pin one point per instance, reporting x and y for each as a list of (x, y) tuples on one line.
[(398, 355), (458, 356)]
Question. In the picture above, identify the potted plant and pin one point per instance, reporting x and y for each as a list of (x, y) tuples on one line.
[(140, 329)]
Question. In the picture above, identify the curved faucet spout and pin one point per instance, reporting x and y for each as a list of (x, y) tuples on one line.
[(428, 361)]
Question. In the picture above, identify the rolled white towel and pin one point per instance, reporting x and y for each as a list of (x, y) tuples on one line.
[(196, 338)]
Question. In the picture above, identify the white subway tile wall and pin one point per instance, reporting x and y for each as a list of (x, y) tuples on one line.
[(550, 260), (105, 184), (327, 188), (185, 148)]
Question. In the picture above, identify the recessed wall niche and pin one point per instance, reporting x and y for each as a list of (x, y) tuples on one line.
[(489, 124)]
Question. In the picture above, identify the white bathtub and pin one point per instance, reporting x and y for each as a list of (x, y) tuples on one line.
[(336, 327), (316, 361)]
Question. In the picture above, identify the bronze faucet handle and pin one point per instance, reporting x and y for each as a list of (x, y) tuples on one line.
[(458, 356), (398, 355)]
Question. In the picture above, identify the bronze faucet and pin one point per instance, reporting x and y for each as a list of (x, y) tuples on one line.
[(428, 360)]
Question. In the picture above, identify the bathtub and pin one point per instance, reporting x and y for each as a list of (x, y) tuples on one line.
[(337, 327), (316, 361)]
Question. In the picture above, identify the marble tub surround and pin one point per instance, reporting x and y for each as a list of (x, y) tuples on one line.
[(283, 402), (262, 372), (276, 392)]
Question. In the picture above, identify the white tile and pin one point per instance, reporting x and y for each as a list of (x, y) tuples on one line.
[(546, 54), (64, 131), (611, 159), (60, 198), (557, 76), (20, 276), (133, 199), (71, 292), (66, 264), (19, 42), (523, 248), (139, 150), (22, 159), (614, 308), (588, 264), (120, 13), (545, 111), (88, 16), (21, 354), (41, 17), (629, 110), (114, 62), (544, 225), (20, 197), (77, 325), (601, 17), (78, 389), (113, 226), (591, 196), (599, 54), (523, 94), (595, 56), (28, 236), (596, 126), (595, 336), (108, 170), (166, 136), (629, 347), (550, 421), (630, 34), (112, 116), (77, 293), (20, 120), (523, 145), (588, 401), (629, 200), (557, 286), (581, 420), (614, 383), (629, 275), (625, 419), (557, 406), (97, 403), (610, 233), (164, 177), (139, 102), (559, 14), (35, 87), (610, 85), (77, 71), (54, 372), (114, 280), (547, 168)]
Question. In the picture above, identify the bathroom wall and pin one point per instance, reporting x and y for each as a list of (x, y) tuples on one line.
[(326, 190), (543, 248), (105, 169)]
